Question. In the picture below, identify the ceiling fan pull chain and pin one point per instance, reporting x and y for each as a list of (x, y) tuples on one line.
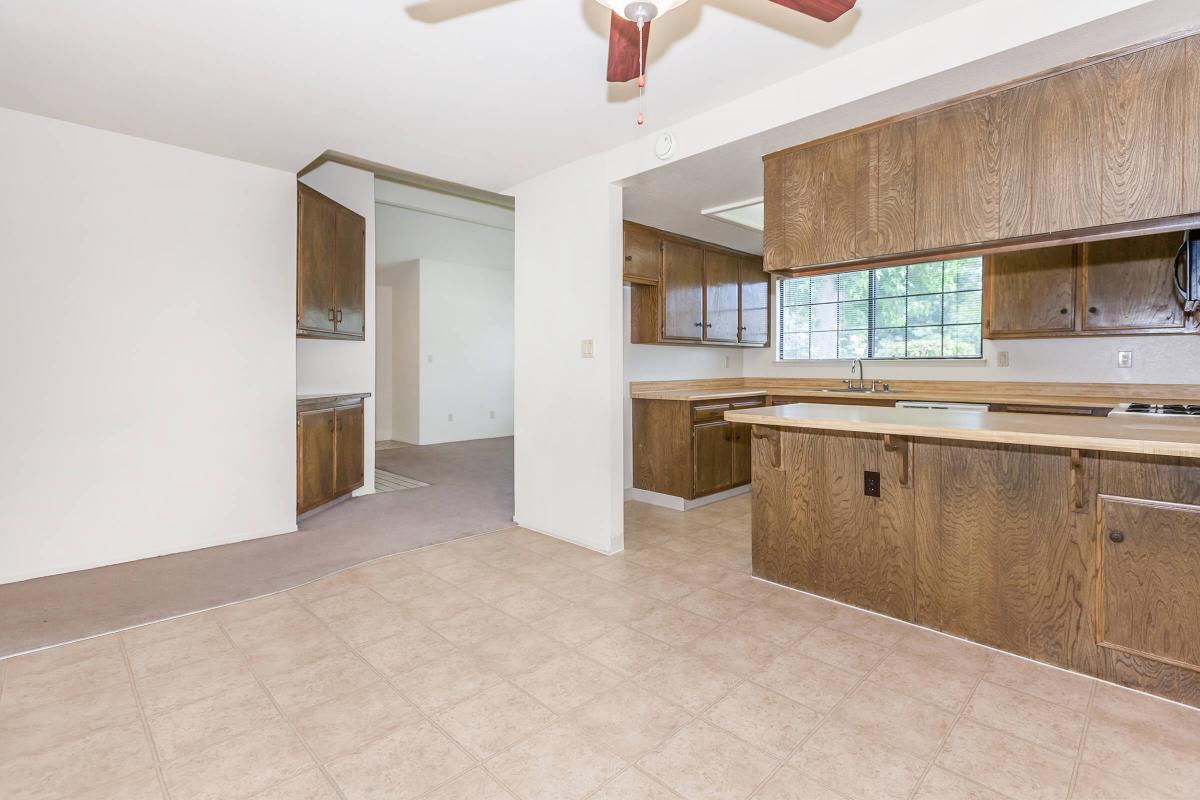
[(641, 117)]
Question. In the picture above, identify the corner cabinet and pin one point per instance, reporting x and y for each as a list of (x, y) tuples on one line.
[(330, 268), (685, 291), (329, 449)]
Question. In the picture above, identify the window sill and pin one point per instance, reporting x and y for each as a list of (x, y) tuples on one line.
[(891, 362)]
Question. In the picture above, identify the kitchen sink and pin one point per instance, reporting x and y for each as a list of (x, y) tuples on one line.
[(855, 391)]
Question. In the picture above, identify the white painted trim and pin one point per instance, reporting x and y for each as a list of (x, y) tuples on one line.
[(678, 503), (565, 539)]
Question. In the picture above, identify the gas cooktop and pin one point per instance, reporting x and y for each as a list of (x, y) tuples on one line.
[(1156, 410)]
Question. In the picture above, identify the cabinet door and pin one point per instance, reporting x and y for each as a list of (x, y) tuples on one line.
[(643, 249), (755, 292), (349, 436), (777, 254), (712, 454), (314, 459), (316, 304), (682, 291), (958, 174), (720, 297), (810, 213), (1127, 284), (742, 445), (350, 268), (1051, 157), (1149, 597), (1146, 102), (1031, 292), (885, 221)]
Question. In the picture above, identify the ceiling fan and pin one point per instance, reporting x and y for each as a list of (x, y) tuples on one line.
[(629, 31)]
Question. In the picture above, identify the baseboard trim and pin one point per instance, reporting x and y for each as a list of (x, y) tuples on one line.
[(680, 504)]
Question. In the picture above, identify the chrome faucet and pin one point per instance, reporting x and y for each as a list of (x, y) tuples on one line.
[(857, 366)]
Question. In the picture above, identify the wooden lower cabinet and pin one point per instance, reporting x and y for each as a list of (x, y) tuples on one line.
[(712, 458), (1086, 561), (329, 451)]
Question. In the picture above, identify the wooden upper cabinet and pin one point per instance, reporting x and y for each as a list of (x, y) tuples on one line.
[(777, 183), (316, 308), (1030, 293), (958, 174), (1129, 285), (721, 296), (816, 205), (682, 291), (1149, 559), (885, 217), (1148, 97), (330, 268), (1051, 157), (643, 252), (755, 290), (1191, 124)]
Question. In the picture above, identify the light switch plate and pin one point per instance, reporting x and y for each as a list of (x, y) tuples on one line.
[(1125, 358), (587, 348)]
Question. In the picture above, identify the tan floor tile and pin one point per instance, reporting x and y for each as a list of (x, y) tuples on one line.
[(911, 725), (404, 764), (354, 600), (517, 651), (743, 585), (24, 688), (531, 604), (1004, 763), (713, 604), (633, 784), (164, 655), (1026, 716), (238, 767), (474, 785), (574, 625), (25, 731), (629, 720), (344, 724), (771, 624), (582, 587), (872, 627), (310, 785), (919, 677), (788, 784), (494, 719), (323, 587), (807, 681), (190, 625), (626, 650), (857, 765), (946, 652), (841, 649), (558, 763), (697, 572), (1055, 685), (193, 682), (278, 621), (142, 785), (53, 658), (447, 680), (702, 761), (728, 650), (463, 571), (655, 558), (623, 607), (662, 586), (371, 626), (409, 587), (495, 585), (267, 657), (193, 727), (474, 625), (769, 721), (673, 625), (406, 649), (383, 570), (942, 785), (566, 681), (431, 558), (316, 682), (69, 767), (545, 571), (618, 569), (804, 607), (440, 605), (1092, 783), (687, 681)]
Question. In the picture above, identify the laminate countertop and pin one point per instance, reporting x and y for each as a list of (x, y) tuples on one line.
[(308, 402), (1122, 434)]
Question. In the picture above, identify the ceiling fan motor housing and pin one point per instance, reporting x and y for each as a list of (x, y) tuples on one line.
[(641, 11)]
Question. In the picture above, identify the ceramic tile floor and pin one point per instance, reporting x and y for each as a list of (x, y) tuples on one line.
[(515, 665)]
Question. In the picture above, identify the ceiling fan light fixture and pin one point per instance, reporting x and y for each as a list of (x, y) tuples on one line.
[(641, 10)]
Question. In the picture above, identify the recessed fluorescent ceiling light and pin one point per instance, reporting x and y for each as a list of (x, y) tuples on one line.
[(746, 214)]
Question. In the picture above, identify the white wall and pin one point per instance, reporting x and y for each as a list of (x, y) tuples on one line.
[(147, 344), (569, 409), (326, 366), (385, 372), (416, 223)]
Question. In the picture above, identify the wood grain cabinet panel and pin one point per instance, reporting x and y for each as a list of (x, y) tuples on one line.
[(1030, 292), (1149, 602), (958, 174), (350, 281), (712, 457), (754, 286), (1128, 285), (721, 296), (315, 458), (682, 291), (643, 253), (1146, 104), (776, 184), (1191, 139), (316, 232), (349, 429), (885, 218), (1051, 157)]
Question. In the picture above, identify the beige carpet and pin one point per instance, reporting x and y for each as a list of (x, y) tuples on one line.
[(471, 492)]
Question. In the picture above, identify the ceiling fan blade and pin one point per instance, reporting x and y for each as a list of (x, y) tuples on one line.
[(623, 48), (824, 10)]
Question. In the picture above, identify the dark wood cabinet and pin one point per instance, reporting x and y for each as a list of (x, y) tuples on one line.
[(754, 288), (329, 449), (682, 291), (712, 457), (643, 254), (722, 299), (885, 217), (1030, 292), (330, 268)]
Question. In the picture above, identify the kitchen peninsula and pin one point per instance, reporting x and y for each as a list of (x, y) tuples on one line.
[(1072, 540)]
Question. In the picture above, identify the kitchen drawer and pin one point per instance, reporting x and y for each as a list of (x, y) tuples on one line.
[(709, 412), (752, 402)]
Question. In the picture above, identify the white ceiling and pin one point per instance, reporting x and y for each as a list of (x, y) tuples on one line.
[(482, 92)]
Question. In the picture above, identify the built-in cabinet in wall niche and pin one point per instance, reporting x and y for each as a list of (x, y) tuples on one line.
[(689, 292), (330, 268), (329, 448)]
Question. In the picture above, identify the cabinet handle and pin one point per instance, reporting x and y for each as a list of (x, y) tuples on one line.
[(339, 315), (1092, 310), (709, 325), (629, 258), (332, 314), (1062, 311), (1116, 537), (699, 324), (743, 327)]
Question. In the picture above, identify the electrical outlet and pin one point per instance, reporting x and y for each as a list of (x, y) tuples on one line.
[(1002, 358), (491, 415), (1125, 359), (449, 418), (871, 483), (726, 362)]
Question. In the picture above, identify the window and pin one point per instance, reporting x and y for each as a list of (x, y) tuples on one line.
[(932, 310)]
